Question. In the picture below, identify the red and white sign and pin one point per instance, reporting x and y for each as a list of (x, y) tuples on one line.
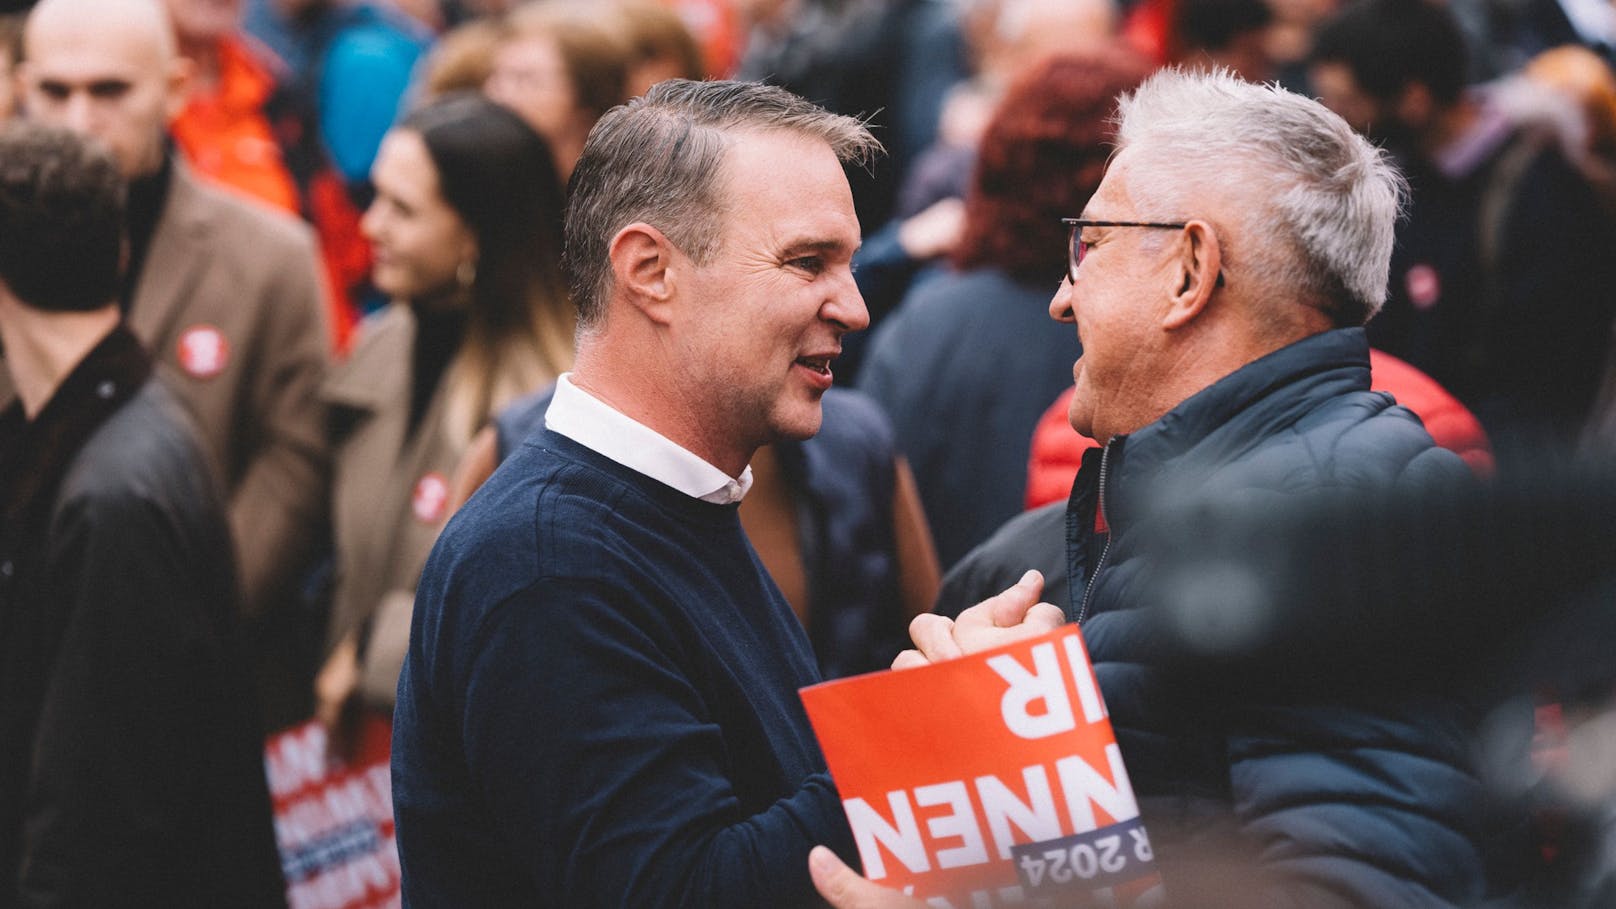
[(334, 820), (430, 497), (203, 351), (987, 780)]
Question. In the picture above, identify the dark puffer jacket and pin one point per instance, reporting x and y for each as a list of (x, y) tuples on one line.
[(1347, 800)]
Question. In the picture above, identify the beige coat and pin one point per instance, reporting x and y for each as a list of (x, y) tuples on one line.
[(251, 274), (389, 494), (230, 305)]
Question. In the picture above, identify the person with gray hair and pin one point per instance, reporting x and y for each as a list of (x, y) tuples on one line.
[(599, 703), (658, 160), (1218, 279), (1323, 202)]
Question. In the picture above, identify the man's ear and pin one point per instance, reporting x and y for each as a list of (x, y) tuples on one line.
[(177, 86), (642, 269), (1198, 275)]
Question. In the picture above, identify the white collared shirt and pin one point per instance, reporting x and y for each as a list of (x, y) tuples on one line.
[(1593, 20), (596, 425)]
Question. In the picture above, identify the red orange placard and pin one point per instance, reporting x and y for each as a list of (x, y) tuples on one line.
[(987, 779)]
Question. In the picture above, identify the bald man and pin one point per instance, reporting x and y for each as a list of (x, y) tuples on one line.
[(223, 292)]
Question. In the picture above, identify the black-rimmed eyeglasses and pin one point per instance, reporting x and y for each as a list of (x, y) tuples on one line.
[(1076, 249)]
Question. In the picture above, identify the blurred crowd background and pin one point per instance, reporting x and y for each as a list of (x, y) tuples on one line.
[(401, 167)]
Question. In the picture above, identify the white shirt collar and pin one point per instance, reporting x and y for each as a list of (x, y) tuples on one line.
[(1593, 20), (596, 425)]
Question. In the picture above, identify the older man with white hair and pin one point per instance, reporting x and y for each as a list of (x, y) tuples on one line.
[(1219, 280)]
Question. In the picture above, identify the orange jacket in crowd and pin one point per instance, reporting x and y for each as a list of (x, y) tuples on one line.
[(238, 135)]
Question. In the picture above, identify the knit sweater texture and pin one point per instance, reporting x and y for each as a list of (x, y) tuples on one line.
[(599, 705)]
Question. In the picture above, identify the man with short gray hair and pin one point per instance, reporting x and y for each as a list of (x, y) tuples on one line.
[(1218, 279), (599, 704)]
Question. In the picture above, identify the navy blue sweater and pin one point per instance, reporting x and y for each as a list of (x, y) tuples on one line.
[(599, 705)]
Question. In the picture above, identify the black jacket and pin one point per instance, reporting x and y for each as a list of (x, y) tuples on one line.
[(1357, 797), (131, 770)]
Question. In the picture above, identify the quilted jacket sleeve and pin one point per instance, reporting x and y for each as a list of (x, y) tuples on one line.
[(1359, 805)]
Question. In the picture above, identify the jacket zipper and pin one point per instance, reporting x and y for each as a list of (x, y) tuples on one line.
[(1088, 590)]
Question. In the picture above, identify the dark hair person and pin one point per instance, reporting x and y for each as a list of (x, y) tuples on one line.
[(467, 234), (561, 66), (660, 45), (61, 214), (1043, 154), (131, 754)]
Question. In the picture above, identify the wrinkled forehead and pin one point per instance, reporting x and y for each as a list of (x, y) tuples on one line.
[(781, 182), (1114, 198)]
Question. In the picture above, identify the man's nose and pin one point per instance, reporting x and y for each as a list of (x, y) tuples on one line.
[(370, 223), (846, 306), (78, 114), (1060, 306)]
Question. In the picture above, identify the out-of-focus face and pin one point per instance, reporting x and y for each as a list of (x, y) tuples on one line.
[(767, 313), (112, 83), (1396, 124), (1247, 55), (419, 241), (650, 71), (1031, 29), (204, 20), (530, 77), (1119, 293), (1339, 91)]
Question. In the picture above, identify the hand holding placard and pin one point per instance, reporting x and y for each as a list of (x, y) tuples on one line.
[(991, 777), (843, 888), (1010, 616)]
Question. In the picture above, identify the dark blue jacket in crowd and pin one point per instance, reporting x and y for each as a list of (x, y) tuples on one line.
[(964, 368), (1359, 797)]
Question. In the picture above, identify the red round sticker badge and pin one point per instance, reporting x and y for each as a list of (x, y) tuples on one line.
[(1424, 286), (431, 495), (203, 351)]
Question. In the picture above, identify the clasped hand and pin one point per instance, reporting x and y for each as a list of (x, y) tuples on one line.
[(996, 621)]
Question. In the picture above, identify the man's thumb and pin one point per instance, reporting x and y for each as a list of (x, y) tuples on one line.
[(1010, 608), (840, 885)]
